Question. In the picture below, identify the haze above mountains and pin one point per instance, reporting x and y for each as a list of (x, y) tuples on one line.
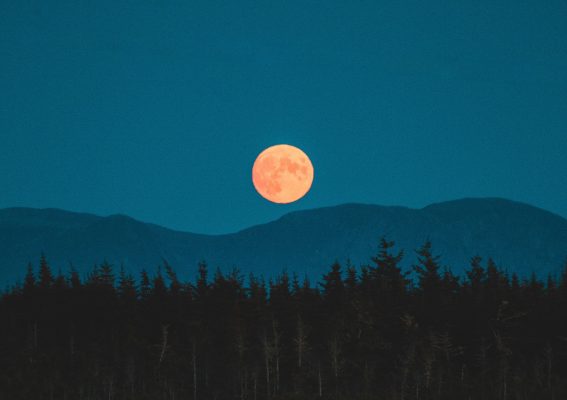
[(519, 237)]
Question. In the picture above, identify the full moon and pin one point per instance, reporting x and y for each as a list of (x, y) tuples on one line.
[(282, 174)]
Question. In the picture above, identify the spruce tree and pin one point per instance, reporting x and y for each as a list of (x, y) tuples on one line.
[(45, 275)]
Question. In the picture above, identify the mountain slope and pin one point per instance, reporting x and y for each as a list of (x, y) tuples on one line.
[(519, 237)]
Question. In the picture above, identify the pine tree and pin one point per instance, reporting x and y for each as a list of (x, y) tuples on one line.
[(29, 281), (45, 275), (429, 279), (563, 282), (60, 283), (174, 284), (159, 289), (74, 278), (431, 308), (351, 280), (333, 287), (202, 286), (126, 286), (387, 273), (145, 285), (476, 275), (106, 275)]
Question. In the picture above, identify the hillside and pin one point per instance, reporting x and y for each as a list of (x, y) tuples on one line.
[(519, 237)]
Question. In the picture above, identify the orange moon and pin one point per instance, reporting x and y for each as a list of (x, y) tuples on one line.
[(282, 174)]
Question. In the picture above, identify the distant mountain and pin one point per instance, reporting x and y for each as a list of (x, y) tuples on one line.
[(519, 237)]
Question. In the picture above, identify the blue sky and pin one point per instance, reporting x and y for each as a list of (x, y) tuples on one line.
[(157, 109)]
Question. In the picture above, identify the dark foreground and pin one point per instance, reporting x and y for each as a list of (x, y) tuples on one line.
[(374, 333)]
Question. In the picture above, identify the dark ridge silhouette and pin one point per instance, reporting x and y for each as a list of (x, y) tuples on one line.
[(518, 237)]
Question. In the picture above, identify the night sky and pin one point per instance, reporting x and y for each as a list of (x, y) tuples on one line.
[(157, 109)]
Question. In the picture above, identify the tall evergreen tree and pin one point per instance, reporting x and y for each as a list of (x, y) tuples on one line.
[(45, 274), (387, 273), (29, 281), (427, 268), (126, 286), (145, 285)]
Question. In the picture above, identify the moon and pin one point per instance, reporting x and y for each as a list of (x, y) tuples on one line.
[(282, 174)]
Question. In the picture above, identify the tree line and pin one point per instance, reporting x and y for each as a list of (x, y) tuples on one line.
[(368, 332)]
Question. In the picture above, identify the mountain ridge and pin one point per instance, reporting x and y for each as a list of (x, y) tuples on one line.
[(519, 237)]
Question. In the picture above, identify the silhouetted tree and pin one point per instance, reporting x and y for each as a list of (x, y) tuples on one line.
[(361, 333), (45, 274)]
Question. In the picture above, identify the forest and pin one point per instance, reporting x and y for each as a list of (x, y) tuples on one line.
[(373, 331)]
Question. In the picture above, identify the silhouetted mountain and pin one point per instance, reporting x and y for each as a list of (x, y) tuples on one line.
[(519, 237)]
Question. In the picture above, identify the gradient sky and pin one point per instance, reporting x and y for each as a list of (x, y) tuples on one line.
[(157, 109)]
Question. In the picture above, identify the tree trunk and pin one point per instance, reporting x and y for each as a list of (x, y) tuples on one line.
[(335, 354), (549, 359), (320, 381), (255, 386), (277, 373), (267, 354), (35, 335), (276, 352), (194, 362), (300, 341)]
